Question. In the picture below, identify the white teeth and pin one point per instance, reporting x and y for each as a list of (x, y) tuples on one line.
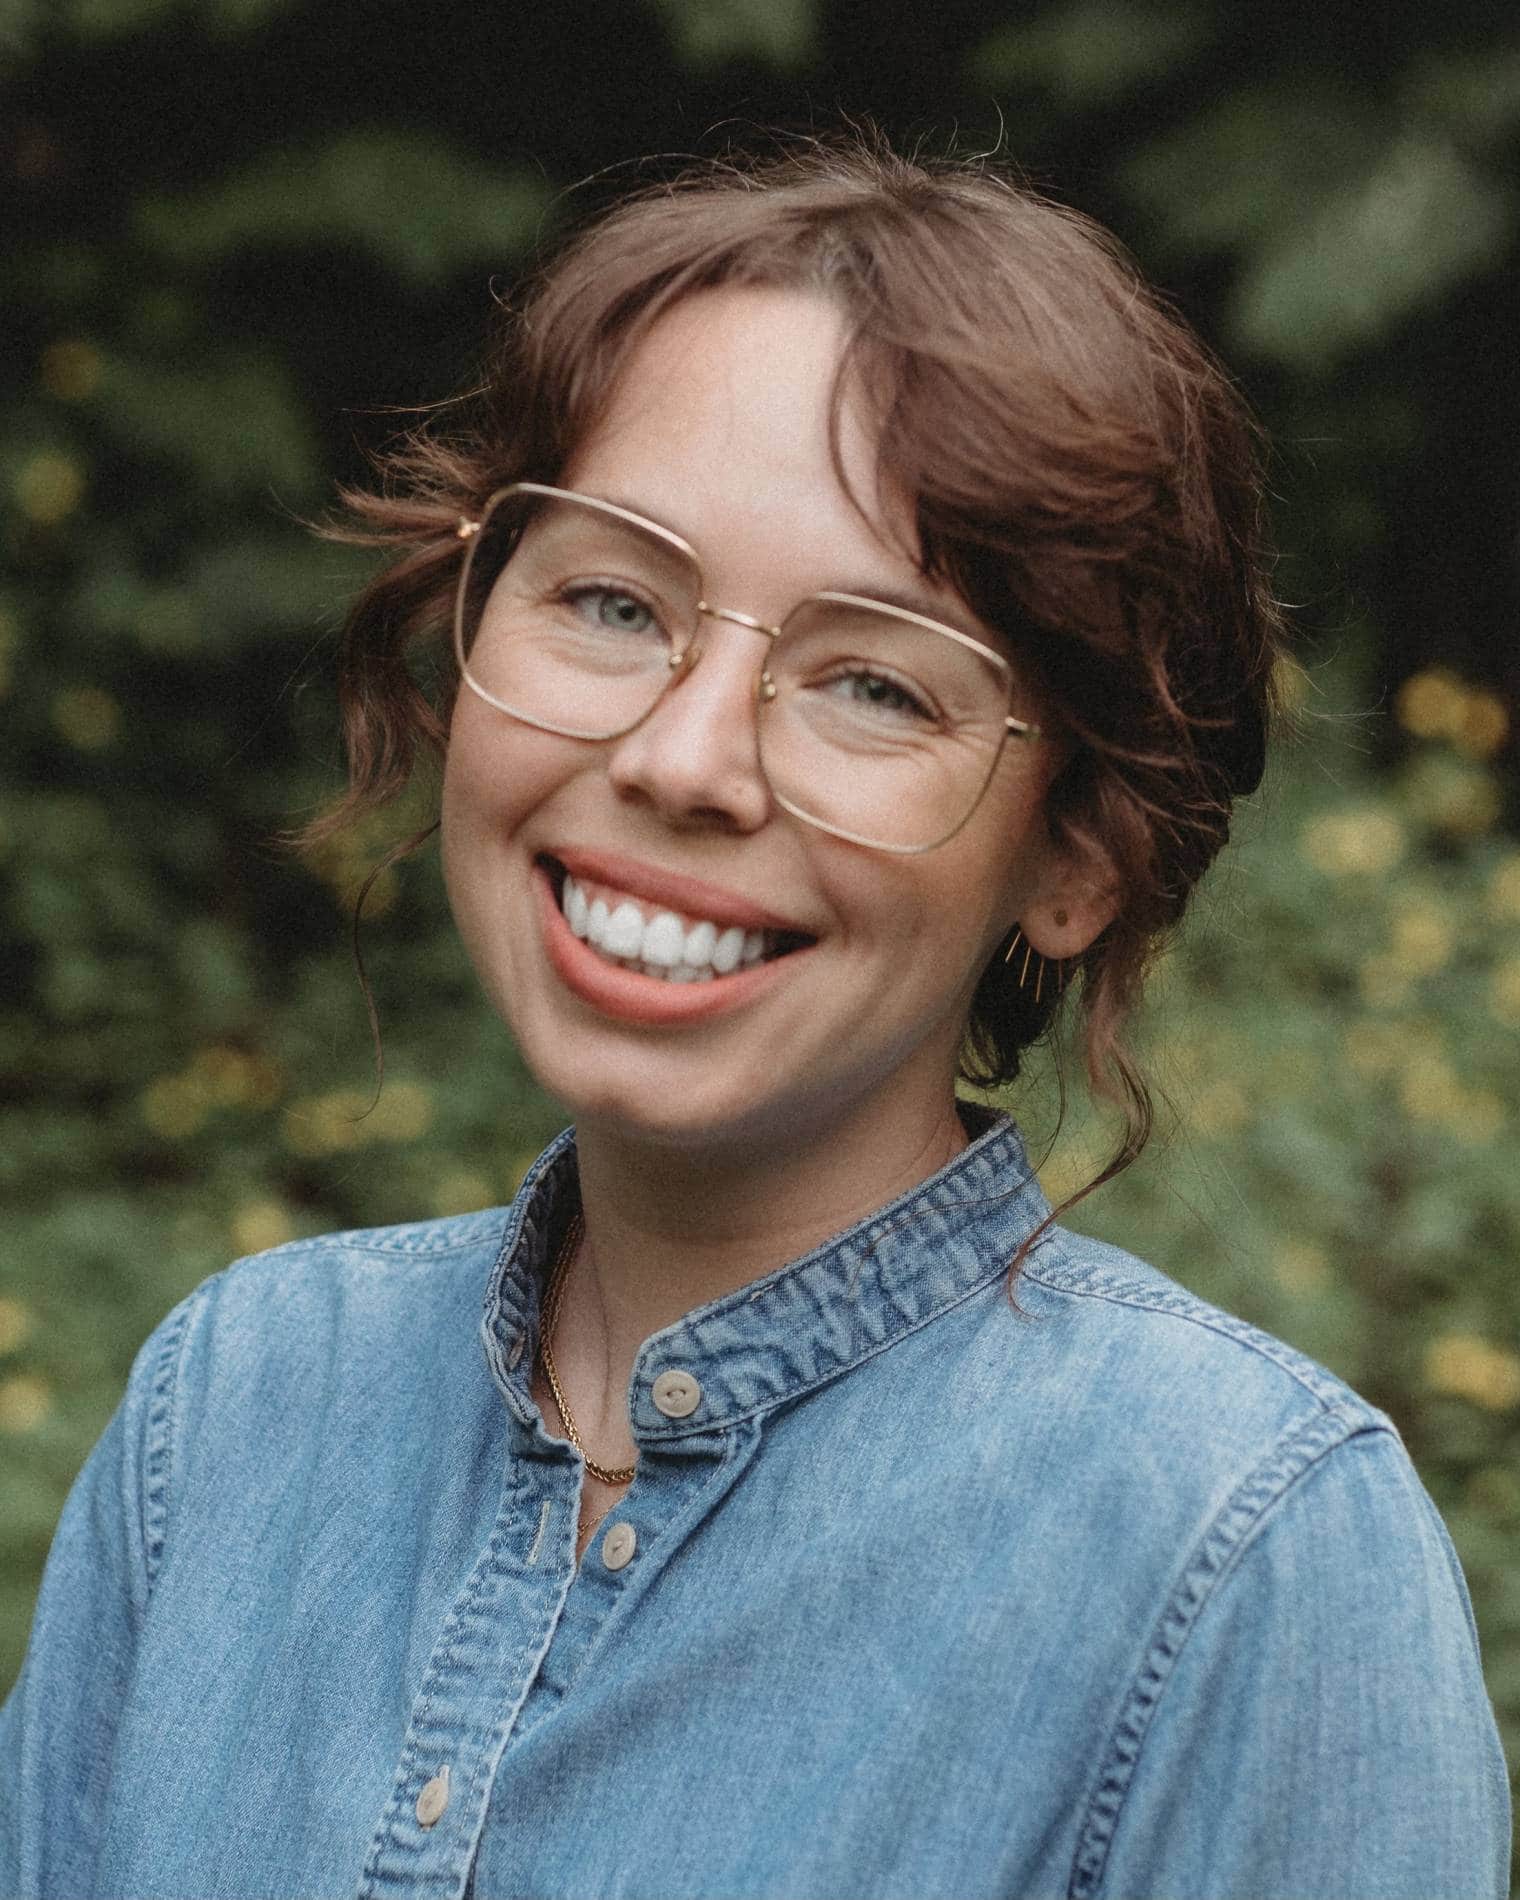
[(662, 947), (664, 940), (699, 945), (625, 931), (728, 950)]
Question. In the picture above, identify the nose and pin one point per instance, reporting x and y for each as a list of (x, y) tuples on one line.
[(696, 757)]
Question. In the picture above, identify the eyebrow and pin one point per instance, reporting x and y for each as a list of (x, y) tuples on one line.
[(909, 599)]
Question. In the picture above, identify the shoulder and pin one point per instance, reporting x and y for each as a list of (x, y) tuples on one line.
[(1171, 1358), (364, 1266), (1127, 1415), (298, 1328)]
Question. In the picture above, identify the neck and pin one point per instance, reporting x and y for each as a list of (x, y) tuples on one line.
[(667, 1230)]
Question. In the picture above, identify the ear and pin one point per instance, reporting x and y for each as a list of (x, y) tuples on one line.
[(1077, 893)]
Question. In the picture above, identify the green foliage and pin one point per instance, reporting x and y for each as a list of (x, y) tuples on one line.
[(228, 232), (709, 32), (1092, 53), (418, 206)]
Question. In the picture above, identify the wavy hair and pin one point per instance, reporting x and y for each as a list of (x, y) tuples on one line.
[(1079, 467)]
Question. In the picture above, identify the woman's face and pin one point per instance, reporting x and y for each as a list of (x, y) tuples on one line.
[(719, 430)]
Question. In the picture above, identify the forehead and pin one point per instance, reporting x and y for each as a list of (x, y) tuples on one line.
[(722, 425)]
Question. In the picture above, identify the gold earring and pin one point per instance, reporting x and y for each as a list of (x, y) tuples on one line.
[(1030, 951)]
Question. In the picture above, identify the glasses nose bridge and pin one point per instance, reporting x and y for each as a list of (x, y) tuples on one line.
[(737, 619)]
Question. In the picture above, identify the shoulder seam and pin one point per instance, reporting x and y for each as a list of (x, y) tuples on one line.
[(1213, 1559), (159, 1432), (406, 1239), (1322, 1385)]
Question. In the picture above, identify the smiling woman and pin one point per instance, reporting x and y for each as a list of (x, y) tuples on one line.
[(860, 634)]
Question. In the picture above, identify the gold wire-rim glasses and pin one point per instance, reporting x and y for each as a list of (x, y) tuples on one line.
[(684, 659)]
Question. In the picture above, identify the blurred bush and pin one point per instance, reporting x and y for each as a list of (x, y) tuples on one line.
[(231, 223)]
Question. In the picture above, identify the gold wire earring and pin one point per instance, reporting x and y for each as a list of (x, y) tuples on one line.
[(1030, 951)]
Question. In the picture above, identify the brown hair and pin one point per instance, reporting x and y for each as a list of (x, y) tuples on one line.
[(1080, 468)]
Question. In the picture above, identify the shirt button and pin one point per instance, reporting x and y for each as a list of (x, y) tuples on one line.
[(433, 1799), (676, 1394), (619, 1545)]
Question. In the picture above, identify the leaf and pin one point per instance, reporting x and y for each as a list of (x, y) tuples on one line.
[(1371, 252), (87, 20), (1091, 52), (1475, 96), (411, 201), (235, 424), (1248, 168), (779, 33)]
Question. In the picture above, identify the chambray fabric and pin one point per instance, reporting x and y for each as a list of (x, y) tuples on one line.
[(1110, 1595)]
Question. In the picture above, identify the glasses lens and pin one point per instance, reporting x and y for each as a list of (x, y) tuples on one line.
[(881, 728), (569, 615)]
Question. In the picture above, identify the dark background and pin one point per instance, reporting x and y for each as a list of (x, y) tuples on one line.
[(241, 235)]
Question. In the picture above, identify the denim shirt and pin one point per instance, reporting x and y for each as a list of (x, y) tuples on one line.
[(916, 1593)]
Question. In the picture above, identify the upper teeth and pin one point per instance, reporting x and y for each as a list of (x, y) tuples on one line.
[(682, 950)]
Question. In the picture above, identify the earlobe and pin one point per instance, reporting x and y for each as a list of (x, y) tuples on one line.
[(1082, 898)]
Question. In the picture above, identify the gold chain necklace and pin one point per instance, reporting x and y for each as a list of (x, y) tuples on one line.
[(607, 1474)]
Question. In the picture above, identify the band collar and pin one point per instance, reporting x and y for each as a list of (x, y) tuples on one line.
[(811, 1320)]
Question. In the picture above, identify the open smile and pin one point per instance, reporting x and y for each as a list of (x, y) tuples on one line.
[(632, 956)]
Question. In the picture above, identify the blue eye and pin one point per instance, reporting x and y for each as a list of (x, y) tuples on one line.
[(613, 609), (875, 692)]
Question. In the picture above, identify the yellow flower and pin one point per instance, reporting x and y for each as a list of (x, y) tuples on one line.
[(1219, 1108), (173, 1106), (49, 487), (15, 1323), (1504, 888), (1504, 992), (402, 1113), (1432, 704), (1364, 839), (1430, 1090), (325, 1124), (1484, 726), (1480, 1117), (25, 1401), (70, 369), (1302, 1266), (87, 717), (460, 1192), (1072, 1165), (1465, 1366), (258, 1225), (1423, 939)]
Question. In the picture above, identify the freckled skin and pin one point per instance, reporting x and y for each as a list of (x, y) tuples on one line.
[(719, 430)]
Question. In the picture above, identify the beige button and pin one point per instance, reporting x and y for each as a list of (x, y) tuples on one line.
[(676, 1394), (433, 1799), (619, 1545)]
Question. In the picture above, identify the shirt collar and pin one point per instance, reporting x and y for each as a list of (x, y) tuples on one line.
[(816, 1317)]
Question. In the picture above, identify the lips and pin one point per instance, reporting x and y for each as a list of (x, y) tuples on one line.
[(714, 954)]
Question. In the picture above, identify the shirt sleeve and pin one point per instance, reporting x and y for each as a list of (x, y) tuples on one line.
[(58, 1727), (1320, 1730)]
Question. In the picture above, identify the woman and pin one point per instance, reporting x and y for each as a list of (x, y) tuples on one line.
[(860, 633)]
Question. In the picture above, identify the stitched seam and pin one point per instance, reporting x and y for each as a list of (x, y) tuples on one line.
[(671, 1432), (1324, 1389), (1214, 1558), (454, 1235), (159, 1434)]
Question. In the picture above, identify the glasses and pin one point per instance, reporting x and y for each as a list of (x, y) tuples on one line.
[(878, 725)]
